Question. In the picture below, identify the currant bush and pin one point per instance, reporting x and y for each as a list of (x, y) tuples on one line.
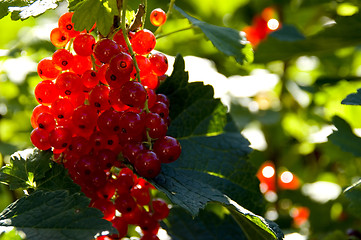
[(99, 112)]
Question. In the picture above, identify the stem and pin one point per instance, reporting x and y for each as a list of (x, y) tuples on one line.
[(125, 35), (145, 3), (160, 28), (176, 31)]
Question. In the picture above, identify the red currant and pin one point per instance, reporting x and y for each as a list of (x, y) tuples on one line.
[(158, 17), (167, 149)]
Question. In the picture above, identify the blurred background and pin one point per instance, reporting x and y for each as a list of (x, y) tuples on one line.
[(283, 102)]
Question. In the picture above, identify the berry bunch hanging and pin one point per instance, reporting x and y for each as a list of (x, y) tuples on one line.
[(100, 115)]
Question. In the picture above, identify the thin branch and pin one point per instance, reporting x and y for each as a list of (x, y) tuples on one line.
[(176, 31)]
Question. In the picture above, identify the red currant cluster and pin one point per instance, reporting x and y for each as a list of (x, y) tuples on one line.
[(99, 113)]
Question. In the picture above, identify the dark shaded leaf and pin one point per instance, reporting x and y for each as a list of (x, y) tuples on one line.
[(57, 178), (54, 215), (189, 193), (288, 33), (353, 98), (213, 166), (345, 138), (207, 225), (353, 194)]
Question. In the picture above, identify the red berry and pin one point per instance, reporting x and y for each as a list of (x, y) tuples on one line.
[(160, 209), (143, 42), (36, 112), (108, 122), (115, 80), (155, 125), (90, 79), (83, 44), (46, 121), (40, 138), (67, 25), (47, 70), (84, 120), (158, 17), (105, 49), (131, 150), (121, 225), (159, 63), (68, 83), (78, 146), (141, 195), (59, 38), (81, 64), (147, 164), (131, 124), (63, 59), (125, 203), (46, 92), (62, 108), (60, 137), (133, 94), (115, 101), (121, 64), (119, 38), (168, 149), (106, 206), (99, 97), (161, 109)]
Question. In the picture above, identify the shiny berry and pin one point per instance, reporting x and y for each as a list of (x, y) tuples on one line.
[(158, 17)]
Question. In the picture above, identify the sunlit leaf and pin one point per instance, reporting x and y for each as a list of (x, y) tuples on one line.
[(90, 12), (25, 168), (227, 40), (23, 9)]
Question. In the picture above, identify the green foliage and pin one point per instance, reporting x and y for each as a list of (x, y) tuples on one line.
[(209, 166), (207, 225), (90, 12), (54, 215), (290, 43), (227, 40), (353, 98), (345, 138), (22, 9), (26, 168)]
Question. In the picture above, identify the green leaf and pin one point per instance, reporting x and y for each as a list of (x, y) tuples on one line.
[(209, 154), (353, 194), (227, 40), (89, 12), (213, 166), (191, 194), (345, 138), (342, 34), (206, 226), (26, 168), (353, 98), (22, 9), (10, 235), (54, 215), (57, 178), (288, 33)]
